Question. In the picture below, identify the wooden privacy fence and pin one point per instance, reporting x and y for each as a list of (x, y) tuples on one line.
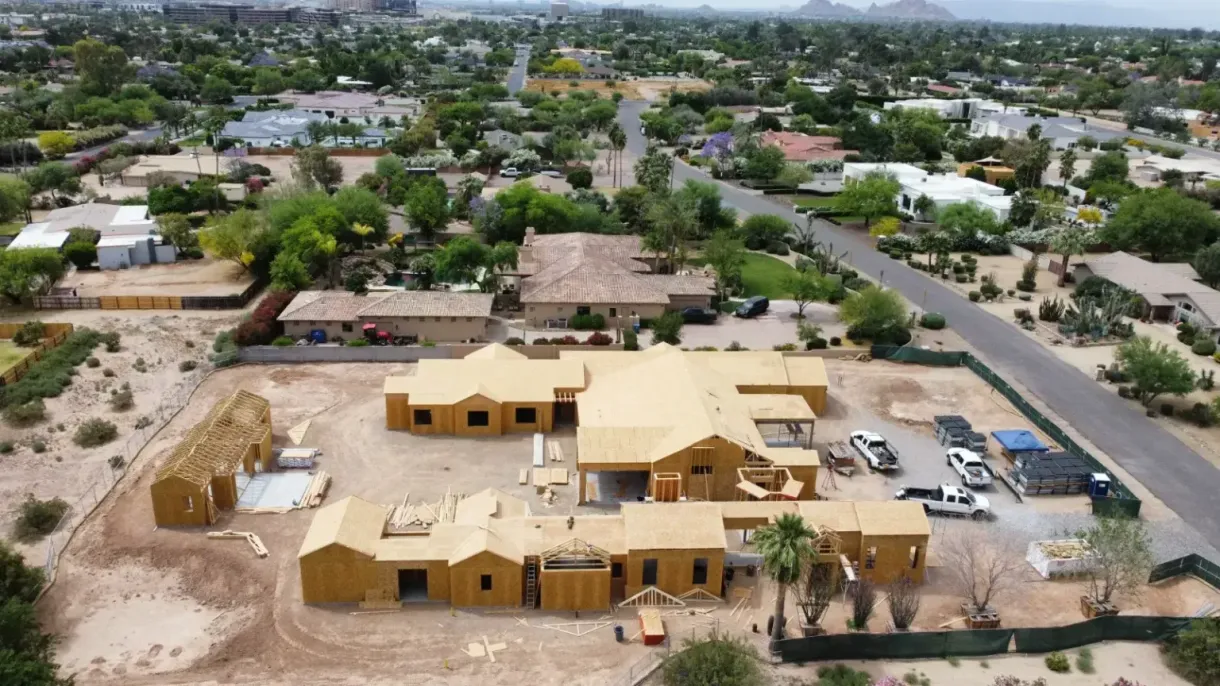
[(55, 334), (978, 642), (148, 302)]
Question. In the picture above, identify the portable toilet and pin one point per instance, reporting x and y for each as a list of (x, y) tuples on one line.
[(1099, 485), (318, 335)]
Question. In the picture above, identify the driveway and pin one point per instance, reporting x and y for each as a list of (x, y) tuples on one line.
[(1173, 472), (516, 75), (776, 326)]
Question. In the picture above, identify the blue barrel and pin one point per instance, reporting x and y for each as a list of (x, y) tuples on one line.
[(618, 632)]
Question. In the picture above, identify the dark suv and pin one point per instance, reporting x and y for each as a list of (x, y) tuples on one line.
[(752, 307)]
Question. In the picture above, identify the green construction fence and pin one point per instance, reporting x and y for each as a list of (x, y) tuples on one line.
[(1121, 500), (1194, 564)]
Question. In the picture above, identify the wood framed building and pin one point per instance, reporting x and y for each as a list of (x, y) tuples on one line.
[(200, 476), (495, 553)]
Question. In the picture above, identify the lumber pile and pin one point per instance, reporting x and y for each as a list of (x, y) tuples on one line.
[(316, 491), (252, 538), (407, 514)]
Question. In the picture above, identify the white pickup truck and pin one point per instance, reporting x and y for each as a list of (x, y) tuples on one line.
[(946, 499), (874, 449), (969, 466)]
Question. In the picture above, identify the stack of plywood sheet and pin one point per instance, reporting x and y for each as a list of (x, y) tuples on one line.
[(316, 490)]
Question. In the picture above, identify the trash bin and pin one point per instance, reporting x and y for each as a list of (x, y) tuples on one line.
[(618, 632)]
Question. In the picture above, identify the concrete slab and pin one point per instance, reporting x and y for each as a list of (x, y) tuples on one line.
[(272, 489)]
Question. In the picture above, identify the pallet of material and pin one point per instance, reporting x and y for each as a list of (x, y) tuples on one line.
[(559, 477), (652, 626), (316, 490), (296, 458)]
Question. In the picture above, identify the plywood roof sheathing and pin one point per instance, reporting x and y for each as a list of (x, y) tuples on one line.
[(652, 597), (297, 433)]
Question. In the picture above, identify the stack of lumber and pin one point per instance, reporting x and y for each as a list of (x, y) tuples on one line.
[(446, 509), (420, 514), (316, 490), (252, 538)]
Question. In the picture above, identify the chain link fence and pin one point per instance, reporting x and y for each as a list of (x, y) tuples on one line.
[(651, 661), (110, 473)]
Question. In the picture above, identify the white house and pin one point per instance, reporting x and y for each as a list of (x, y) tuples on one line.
[(1063, 132), (279, 128), (943, 189), (965, 108), (129, 236)]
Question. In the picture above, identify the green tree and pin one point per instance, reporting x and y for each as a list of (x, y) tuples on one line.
[(1193, 652), (1110, 166), (56, 144), (81, 253), (580, 178), (760, 230), (216, 90), (873, 310), (764, 163), (1155, 368), (967, 219), (14, 198), (313, 165), (720, 659), (727, 256), (793, 175), (1161, 222), (673, 222), (1069, 242), (869, 197), (27, 656), (1207, 264), (1067, 166), (427, 208), (807, 286), (361, 206), (925, 208), (631, 206), (101, 68), (230, 238), (312, 241), (1120, 557), (785, 546), (268, 81), (667, 329), (705, 198), (28, 271), (1029, 160), (654, 170), (288, 273)]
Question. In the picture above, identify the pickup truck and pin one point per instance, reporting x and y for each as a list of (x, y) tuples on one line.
[(946, 499), (969, 466), (875, 450)]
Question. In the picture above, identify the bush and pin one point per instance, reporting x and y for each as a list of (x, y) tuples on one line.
[(932, 320), (599, 338), (580, 178), (1200, 414), (1058, 662), (30, 334), (777, 248), (1203, 346), (81, 254), (1124, 392), (48, 377), (122, 400), (791, 347), (1025, 297), (111, 340), (6, 447), (631, 340), (1192, 653), (26, 413), (1167, 409), (262, 328), (108, 373), (816, 344), (711, 661), (514, 341), (38, 446), (95, 432), (960, 278), (975, 296), (357, 343), (836, 341), (1011, 292), (38, 518), (283, 342), (140, 365), (93, 363), (1084, 661)]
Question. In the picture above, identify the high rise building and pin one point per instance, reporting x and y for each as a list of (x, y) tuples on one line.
[(559, 10), (620, 13)]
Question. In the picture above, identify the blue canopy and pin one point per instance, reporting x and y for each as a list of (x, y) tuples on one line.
[(1019, 441)]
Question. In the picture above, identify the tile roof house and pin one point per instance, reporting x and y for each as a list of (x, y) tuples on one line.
[(426, 315), (580, 273), (801, 147), (275, 128), (263, 59), (1063, 132), (1169, 291)]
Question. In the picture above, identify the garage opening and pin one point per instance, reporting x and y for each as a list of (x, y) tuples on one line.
[(564, 411), (612, 488), (413, 585)]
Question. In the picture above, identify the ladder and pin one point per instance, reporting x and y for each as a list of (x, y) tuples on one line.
[(531, 582)]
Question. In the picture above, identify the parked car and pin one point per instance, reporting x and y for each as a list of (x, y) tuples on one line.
[(946, 499), (510, 173), (553, 173), (699, 315), (752, 307), (970, 467), (875, 450)]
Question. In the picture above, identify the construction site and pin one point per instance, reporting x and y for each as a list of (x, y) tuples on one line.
[(301, 523)]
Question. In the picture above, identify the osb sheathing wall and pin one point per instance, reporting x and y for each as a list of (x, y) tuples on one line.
[(721, 484), (675, 570), (169, 503), (465, 582), (893, 560), (397, 412), (575, 589), (807, 475), (400, 415), (438, 578), (477, 403), (336, 574), (543, 413)]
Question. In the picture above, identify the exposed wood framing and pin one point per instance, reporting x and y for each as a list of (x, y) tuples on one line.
[(698, 595), (652, 597), (578, 628)]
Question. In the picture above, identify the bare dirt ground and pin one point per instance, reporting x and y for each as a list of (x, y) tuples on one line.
[(146, 606), (206, 277), (635, 89)]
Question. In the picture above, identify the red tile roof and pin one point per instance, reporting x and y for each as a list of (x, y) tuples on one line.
[(942, 88), (800, 147)]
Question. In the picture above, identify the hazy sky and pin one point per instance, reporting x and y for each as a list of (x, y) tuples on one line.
[(1179, 8)]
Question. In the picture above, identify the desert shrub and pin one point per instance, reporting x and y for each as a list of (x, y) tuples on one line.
[(108, 373), (143, 422), (734, 347), (116, 461), (1203, 346), (514, 340), (111, 340), (1124, 392), (1192, 653), (836, 341), (189, 344), (631, 340), (223, 341), (38, 446), (932, 320), (1084, 661), (720, 659), (140, 365), (262, 327), (565, 340), (960, 278), (30, 334), (1058, 662), (284, 342), (1200, 414), (37, 518), (122, 400), (817, 343), (94, 432), (188, 365), (841, 675), (777, 248), (1025, 297), (93, 363), (784, 347), (599, 338), (6, 447), (1167, 409), (26, 413)]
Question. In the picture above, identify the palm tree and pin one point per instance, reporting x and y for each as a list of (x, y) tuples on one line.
[(618, 140), (785, 546), (674, 222), (1070, 242), (361, 230), (1067, 166)]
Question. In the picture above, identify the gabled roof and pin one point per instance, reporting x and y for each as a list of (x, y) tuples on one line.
[(495, 351), (341, 306), (446, 382), (1155, 281), (352, 523), (218, 444), (487, 540)]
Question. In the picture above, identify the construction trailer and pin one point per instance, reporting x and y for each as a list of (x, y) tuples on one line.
[(493, 552), (200, 477)]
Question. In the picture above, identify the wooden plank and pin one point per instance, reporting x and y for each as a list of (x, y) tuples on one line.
[(542, 476), (559, 477), (523, 477)]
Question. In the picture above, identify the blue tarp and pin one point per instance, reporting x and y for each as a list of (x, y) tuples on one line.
[(1019, 441)]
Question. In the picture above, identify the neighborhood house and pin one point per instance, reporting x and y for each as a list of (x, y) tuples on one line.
[(426, 315)]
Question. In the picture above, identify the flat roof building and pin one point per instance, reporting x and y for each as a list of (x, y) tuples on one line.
[(943, 189)]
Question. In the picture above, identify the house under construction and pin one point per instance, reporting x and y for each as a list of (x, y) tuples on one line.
[(669, 424), (495, 553), (200, 476)]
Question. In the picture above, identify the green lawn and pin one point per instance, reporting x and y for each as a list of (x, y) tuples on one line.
[(10, 355), (11, 228), (812, 201), (764, 275)]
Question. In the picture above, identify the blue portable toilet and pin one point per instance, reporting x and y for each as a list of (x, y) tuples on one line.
[(1099, 485)]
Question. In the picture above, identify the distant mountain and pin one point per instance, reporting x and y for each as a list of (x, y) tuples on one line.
[(704, 9), (825, 8), (910, 9), (1082, 13)]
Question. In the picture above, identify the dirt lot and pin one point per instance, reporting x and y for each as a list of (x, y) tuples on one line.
[(635, 89), (189, 278), (222, 614)]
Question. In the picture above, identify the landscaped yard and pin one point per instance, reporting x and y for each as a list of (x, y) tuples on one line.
[(10, 354), (764, 275), (11, 228), (813, 200)]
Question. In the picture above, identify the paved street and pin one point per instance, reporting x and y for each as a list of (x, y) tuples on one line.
[(1173, 472), (516, 75)]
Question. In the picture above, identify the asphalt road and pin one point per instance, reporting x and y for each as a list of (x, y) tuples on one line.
[(1185, 481), (516, 76), (134, 136)]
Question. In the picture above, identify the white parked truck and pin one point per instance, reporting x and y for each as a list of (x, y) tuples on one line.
[(969, 466), (946, 499), (874, 449)]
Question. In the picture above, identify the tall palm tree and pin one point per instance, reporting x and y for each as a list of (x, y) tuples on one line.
[(618, 140), (674, 222), (785, 546)]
